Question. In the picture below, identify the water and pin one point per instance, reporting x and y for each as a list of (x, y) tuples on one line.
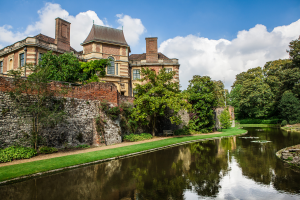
[(231, 168)]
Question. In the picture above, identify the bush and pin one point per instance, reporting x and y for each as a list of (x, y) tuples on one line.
[(259, 121), (225, 119), (83, 146), (183, 131), (284, 123), (15, 153), (290, 107), (47, 150), (135, 137)]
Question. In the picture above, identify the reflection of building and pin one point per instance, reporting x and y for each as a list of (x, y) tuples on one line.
[(152, 59), (29, 50)]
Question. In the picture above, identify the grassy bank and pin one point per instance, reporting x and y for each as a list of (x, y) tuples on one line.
[(257, 125), (14, 171)]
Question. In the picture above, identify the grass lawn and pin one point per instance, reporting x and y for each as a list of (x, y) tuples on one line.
[(14, 171), (257, 125)]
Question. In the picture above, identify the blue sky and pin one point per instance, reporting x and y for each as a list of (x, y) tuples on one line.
[(215, 38)]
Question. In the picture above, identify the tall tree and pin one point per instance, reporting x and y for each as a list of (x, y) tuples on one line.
[(203, 98), (155, 94), (290, 107), (34, 98)]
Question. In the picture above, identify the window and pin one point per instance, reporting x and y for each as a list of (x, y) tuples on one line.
[(117, 66), (136, 74), (1, 67), (40, 56), (111, 68), (168, 70), (22, 60)]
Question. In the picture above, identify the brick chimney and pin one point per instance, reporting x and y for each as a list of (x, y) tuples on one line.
[(151, 50), (62, 34)]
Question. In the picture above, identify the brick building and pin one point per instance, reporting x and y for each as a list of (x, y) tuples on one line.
[(30, 49), (153, 60), (101, 43), (105, 42)]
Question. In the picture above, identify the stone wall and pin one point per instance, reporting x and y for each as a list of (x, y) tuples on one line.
[(78, 127)]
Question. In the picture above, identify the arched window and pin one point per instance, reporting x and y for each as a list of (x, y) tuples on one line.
[(111, 68)]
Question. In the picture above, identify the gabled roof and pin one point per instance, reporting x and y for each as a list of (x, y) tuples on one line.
[(105, 34), (143, 57)]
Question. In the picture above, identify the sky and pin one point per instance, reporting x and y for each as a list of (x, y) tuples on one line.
[(210, 38)]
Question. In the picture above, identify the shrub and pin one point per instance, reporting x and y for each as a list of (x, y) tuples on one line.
[(135, 137), (114, 112), (290, 107), (83, 146), (284, 123), (258, 121), (47, 150), (225, 119), (15, 153), (183, 131)]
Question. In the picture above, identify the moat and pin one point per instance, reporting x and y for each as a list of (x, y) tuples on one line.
[(229, 168)]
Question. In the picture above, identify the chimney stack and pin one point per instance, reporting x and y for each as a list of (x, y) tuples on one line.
[(62, 34), (151, 50)]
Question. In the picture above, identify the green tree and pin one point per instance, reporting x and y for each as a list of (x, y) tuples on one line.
[(220, 93), (255, 95), (225, 119), (235, 98), (202, 96), (290, 107), (155, 95), (34, 98), (66, 67)]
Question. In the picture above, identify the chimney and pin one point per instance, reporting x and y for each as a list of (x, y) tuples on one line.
[(151, 50), (62, 34)]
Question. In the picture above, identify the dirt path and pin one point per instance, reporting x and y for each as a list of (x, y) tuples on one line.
[(60, 154)]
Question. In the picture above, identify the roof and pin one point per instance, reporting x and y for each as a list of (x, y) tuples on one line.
[(143, 56), (105, 34), (50, 40)]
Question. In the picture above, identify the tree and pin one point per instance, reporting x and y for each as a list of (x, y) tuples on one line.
[(290, 107), (225, 119), (255, 98), (155, 95), (34, 98), (220, 93), (67, 68), (202, 96)]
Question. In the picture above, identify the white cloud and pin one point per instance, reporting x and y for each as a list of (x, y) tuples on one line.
[(223, 58), (81, 25), (133, 28)]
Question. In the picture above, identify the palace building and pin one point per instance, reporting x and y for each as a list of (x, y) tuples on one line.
[(29, 50), (101, 43)]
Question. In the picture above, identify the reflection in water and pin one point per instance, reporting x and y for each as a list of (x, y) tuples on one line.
[(231, 168)]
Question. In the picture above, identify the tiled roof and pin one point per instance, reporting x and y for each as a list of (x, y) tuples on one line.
[(106, 34), (143, 56), (45, 38), (49, 40)]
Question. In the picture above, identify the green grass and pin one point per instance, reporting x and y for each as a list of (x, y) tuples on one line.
[(257, 125), (13, 171)]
